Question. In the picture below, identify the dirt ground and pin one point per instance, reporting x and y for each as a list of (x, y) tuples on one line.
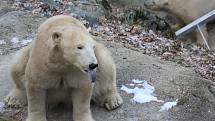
[(196, 95)]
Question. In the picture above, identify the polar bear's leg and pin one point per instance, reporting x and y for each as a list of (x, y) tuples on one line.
[(17, 97), (36, 104), (81, 104), (105, 90)]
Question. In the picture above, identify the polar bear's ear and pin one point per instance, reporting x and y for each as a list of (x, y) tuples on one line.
[(56, 37)]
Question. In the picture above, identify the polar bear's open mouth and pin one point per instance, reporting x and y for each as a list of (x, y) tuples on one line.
[(92, 74)]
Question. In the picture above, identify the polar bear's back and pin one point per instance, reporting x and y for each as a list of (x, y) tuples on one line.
[(189, 10), (58, 21)]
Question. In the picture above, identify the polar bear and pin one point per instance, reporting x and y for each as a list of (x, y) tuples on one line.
[(186, 10), (61, 64)]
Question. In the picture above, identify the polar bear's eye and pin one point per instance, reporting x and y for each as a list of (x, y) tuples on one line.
[(80, 47)]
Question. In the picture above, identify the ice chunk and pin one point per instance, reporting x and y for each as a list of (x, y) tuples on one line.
[(26, 41), (14, 40), (2, 42), (1, 106), (137, 81), (168, 105), (141, 94), (126, 89)]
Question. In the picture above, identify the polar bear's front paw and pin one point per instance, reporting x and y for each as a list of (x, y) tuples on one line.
[(16, 98), (113, 101)]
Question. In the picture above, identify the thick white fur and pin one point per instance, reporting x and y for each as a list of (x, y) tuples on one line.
[(52, 69)]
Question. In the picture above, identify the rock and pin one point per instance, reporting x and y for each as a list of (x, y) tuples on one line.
[(4, 8), (170, 80), (17, 24), (88, 9), (129, 3), (6, 119)]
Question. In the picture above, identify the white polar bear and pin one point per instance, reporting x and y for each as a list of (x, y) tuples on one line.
[(61, 65)]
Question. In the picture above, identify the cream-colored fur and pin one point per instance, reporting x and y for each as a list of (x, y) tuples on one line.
[(55, 67), (186, 10)]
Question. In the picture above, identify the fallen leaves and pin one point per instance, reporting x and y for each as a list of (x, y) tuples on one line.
[(138, 35), (155, 44)]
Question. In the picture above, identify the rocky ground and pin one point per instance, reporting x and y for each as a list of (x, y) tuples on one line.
[(195, 94)]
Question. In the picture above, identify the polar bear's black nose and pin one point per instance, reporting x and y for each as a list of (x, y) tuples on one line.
[(93, 66)]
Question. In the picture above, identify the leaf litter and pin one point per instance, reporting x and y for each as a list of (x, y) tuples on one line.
[(144, 37)]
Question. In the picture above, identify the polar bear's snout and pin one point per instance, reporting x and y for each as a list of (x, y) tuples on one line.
[(92, 71), (93, 66)]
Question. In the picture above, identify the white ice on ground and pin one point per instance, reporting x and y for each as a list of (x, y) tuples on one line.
[(26, 41), (131, 85), (15, 40), (141, 94), (1, 106), (2, 42), (73, 14), (168, 105), (23, 42), (137, 81)]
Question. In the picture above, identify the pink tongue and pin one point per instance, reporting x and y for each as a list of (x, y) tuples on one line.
[(92, 74)]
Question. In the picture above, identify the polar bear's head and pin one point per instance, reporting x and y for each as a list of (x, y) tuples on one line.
[(76, 47)]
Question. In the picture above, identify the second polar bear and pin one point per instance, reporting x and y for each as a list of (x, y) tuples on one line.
[(187, 11)]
